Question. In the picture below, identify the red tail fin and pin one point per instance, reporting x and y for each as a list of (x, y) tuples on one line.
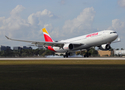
[(46, 35)]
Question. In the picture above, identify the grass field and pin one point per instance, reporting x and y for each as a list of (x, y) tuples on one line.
[(62, 62), (62, 75)]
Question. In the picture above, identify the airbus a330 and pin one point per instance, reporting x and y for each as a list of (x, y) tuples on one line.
[(101, 39)]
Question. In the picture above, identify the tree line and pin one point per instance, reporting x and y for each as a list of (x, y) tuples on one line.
[(40, 52), (26, 53)]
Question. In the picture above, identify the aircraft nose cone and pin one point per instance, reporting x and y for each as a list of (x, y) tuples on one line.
[(115, 35)]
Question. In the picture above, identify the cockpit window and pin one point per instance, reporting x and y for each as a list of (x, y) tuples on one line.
[(112, 32)]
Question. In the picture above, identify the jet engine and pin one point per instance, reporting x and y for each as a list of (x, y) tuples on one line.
[(68, 46), (105, 47)]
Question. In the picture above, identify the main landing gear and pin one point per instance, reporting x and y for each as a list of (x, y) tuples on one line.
[(66, 55)]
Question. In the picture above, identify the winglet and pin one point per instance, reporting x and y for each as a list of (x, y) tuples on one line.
[(46, 35)]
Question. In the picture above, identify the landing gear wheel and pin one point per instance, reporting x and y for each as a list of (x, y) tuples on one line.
[(66, 55)]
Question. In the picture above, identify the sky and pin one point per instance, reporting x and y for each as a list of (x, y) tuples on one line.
[(63, 19)]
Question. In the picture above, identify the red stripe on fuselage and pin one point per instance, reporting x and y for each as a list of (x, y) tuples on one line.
[(50, 48), (47, 38)]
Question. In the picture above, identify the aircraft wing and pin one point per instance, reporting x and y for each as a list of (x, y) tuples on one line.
[(58, 44)]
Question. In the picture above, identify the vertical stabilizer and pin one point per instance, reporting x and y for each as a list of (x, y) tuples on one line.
[(46, 35)]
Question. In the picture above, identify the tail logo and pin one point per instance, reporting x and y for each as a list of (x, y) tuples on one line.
[(46, 35)]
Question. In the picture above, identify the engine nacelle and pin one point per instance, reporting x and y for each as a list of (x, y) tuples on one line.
[(68, 47), (105, 47)]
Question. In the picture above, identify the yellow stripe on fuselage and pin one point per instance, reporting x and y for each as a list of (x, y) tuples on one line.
[(44, 30)]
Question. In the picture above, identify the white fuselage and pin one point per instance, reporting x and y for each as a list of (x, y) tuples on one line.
[(90, 40)]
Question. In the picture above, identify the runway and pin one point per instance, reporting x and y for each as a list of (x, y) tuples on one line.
[(98, 58), (62, 77), (62, 61), (62, 73)]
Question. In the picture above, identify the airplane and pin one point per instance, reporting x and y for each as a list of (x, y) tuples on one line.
[(101, 39)]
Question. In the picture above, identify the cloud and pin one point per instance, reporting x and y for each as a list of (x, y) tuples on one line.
[(117, 25), (81, 23), (38, 17), (16, 11), (121, 3), (14, 22)]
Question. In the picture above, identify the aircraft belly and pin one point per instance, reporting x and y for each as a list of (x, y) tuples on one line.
[(61, 50)]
